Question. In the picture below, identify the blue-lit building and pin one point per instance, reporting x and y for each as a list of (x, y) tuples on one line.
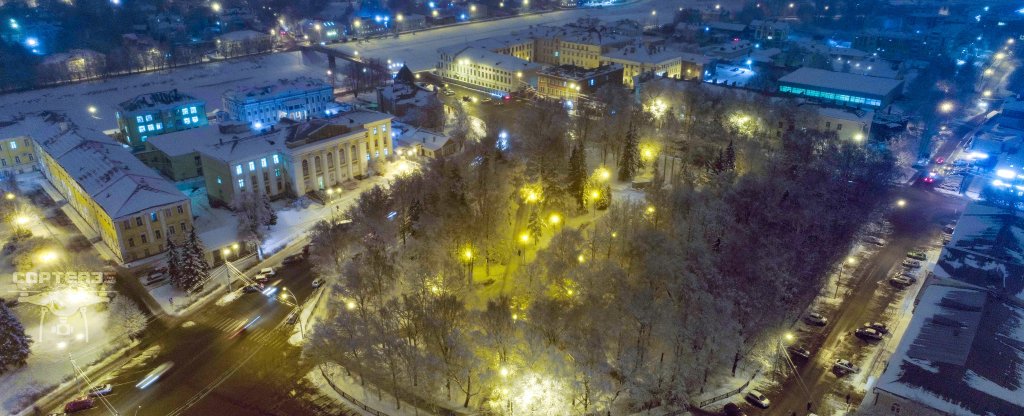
[(262, 106), (158, 113), (840, 88)]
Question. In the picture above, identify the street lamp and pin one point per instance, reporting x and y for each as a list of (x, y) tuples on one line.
[(92, 109), (9, 196), (901, 203), (946, 107), (215, 7), (554, 218), (47, 256), (842, 266), (467, 257)]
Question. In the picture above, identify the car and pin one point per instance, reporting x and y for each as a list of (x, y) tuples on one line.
[(465, 98), (909, 274), (260, 278), (487, 100), (252, 288), (758, 399), (292, 259), (917, 255), (293, 317), (877, 326), (900, 281), (153, 278), (844, 367), (815, 318), (154, 375), (79, 404), (269, 271), (874, 240), (940, 160), (101, 390), (733, 409), (447, 92), (318, 282), (799, 351), (868, 334), (911, 263)]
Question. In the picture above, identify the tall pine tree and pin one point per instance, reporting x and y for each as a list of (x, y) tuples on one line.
[(194, 268), (578, 176), (630, 161), (14, 342), (174, 264), (729, 162), (534, 226)]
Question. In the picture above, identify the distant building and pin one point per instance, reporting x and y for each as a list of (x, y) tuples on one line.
[(243, 42), (499, 74), (403, 94), (730, 50), (132, 208), (158, 113), (321, 31), (637, 60), (76, 64), (569, 82), (769, 31), (410, 22), (853, 124), (840, 88), (263, 105), (16, 150)]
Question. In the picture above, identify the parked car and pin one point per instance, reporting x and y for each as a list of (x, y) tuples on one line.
[(733, 409), (911, 263), (252, 288), (448, 93), (917, 255), (900, 281), (874, 240), (843, 367), (815, 318), (269, 271), (758, 399), (318, 282), (868, 333), (799, 351), (101, 390), (79, 404), (878, 326), (487, 100), (260, 278), (293, 317)]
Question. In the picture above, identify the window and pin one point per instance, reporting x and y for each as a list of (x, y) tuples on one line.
[(195, 119), (263, 162), (138, 221), (143, 238), (193, 110), (182, 224), (150, 127), (277, 172), (17, 159), (159, 126), (591, 82), (241, 183), (142, 129), (186, 120), (839, 126), (157, 234), (828, 125), (181, 209), (238, 169), (374, 130), (305, 167), (252, 166), (149, 117), (131, 242), (14, 144), (126, 224), (139, 119), (276, 160), (170, 231), (152, 217)]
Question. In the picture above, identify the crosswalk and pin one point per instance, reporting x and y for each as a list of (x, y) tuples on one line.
[(264, 333)]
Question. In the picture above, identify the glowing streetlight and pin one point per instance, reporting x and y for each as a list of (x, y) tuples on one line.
[(986, 93), (524, 238), (62, 345), (946, 107), (235, 246), (9, 196), (47, 256), (901, 203), (650, 209), (92, 110), (225, 252), (999, 56), (789, 337), (472, 8), (20, 220), (504, 372), (350, 305), (555, 219), (858, 137), (467, 254), (988, 72), (398, 17), (654, 12), (215, 7), (603, 174)]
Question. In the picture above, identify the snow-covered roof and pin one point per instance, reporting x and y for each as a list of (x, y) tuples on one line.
[(429, 140), (643, 54), (118, 182), (852, 114), (961, 354), (280, 87), (986, 250), (854, 83), (492, 59), (730, 27), (156, 101)]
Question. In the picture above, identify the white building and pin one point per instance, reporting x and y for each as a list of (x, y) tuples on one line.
[(499, 74), (262, 106), (848, 123)]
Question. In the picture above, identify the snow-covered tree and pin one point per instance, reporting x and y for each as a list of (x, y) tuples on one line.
[(126, 316), (255, 215), (630, 160), (194, 268), (174, 263), (14, 342), (578, 176)]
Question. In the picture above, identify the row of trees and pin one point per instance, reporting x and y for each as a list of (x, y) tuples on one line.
[(645, 306)]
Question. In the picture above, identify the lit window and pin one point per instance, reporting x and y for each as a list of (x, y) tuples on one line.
[(139, 119), (376, 153), (14, 144), (142, 129), (252, 166), (195, 119), (159, 126), (591, 82), (149, 117), (184, 111), (150, 127), (367, 156), (241, 183), (374, 130), (276, 160), (152, 216), (385, 152), (263, 162), (186, 120), (193, 109), (238, 169), (277, 172), (219, 181)]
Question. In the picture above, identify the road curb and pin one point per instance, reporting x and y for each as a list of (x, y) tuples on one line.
[(53, 399)]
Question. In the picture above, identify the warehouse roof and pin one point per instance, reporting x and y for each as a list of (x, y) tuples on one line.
[(854, 83)]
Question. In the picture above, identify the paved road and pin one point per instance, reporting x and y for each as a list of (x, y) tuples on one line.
[(219, 370), (916, 225)]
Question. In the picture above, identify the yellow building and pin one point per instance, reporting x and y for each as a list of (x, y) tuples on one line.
[(132, 208), (16, 155), (638, 59), (498, 74)]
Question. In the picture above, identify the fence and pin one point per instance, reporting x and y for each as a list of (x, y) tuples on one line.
[(725, 395)]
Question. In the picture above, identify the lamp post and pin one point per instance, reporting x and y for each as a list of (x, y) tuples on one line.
[(467, 257), (848, 260), (226, 253)]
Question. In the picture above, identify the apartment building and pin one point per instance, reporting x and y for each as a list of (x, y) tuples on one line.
[(499, 74), (132, 208), (16, 149), (157, 113), (296, 99)]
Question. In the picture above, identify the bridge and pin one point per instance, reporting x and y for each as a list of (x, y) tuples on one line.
[(310, 54)]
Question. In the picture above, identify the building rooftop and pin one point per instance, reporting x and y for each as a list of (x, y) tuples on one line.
[(430, 140), (118, 182), (947, 357), (644, 54), (272, 89), (577, 73), (492, 59), (846, 113), (821, 78), (156, 101), (729, 27)]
